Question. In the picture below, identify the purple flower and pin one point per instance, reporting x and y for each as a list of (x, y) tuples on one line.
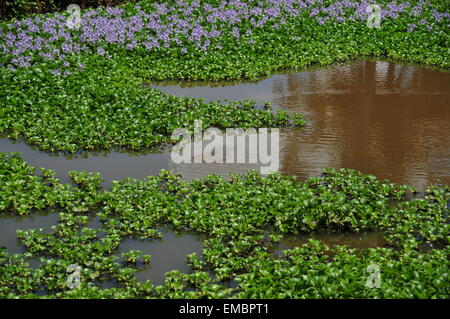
[(66, 47), (314, 12), (417, 10), (100, 51), (235, 32), (182, 24)]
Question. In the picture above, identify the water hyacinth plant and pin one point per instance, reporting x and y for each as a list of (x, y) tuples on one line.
[(86, 81), (67, 89), (243, 219), (190, 26)]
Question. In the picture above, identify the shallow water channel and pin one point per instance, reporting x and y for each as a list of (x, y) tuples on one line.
[(381, 118)]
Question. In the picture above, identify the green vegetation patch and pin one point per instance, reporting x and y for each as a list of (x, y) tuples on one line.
[(69, 90), (69, 115), (242, 219), (72, 89)]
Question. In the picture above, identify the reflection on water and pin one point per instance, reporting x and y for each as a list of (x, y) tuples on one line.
[(10, 224), (168, 254), (381, 118), (386, 119), (113, 165), (332, 239)]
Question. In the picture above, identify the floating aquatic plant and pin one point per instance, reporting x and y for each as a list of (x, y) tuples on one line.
[(242, 219), (93, 98), (81, 89)]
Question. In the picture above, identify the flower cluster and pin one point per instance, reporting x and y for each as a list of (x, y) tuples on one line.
[(186, 25)]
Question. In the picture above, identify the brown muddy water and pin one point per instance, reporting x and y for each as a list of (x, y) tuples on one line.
[(332, 239), (381, 118)]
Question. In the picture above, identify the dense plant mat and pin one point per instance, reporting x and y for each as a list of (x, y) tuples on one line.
[(71, 89), (95, 112), (241, 219), (80, 89)]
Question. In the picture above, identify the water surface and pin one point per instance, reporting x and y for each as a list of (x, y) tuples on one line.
[(10, 224), (168, 253), (381, 118)]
